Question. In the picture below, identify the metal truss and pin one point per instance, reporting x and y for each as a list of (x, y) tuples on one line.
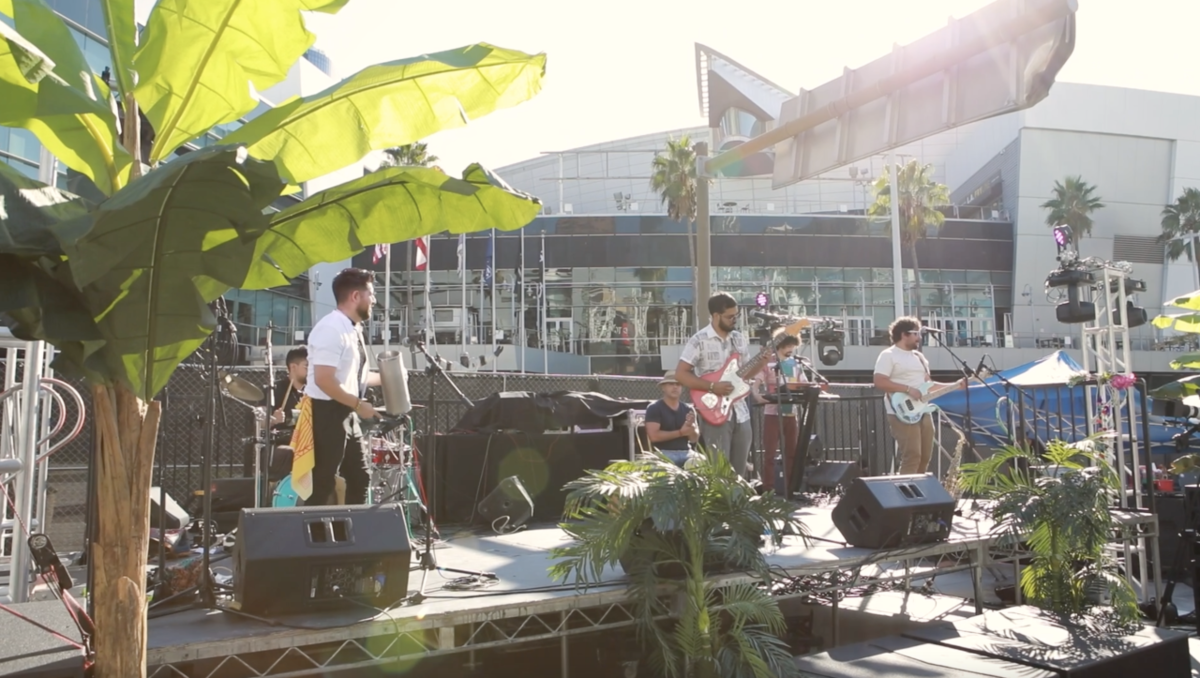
[(402, 646)]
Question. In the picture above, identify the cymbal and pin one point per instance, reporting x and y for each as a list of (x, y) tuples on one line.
[(241, 389)]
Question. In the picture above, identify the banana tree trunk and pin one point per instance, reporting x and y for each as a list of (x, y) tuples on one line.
[(126, 432), (912, 253)]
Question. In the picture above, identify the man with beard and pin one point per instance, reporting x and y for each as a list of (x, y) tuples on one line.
[(338, 377), (706, 352)]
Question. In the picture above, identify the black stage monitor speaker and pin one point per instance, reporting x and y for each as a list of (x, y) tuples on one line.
[(310, 558), (509, 500), (891, 511), (829, 476)]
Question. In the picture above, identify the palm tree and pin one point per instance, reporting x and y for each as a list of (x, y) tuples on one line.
[(1181, 227), (1072, 204), (673, 176), (920, 198), (415, 154)]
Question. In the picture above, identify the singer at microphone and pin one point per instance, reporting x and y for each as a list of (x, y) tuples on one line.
[(902, 368), (779, 420)]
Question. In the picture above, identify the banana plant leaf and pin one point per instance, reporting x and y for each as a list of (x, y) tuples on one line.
[(28, 211), (1186, 322), (1189, 301), (1187, 361), (70, 113), (146, 262), (1178, 389), (121, 32), (389, 105), (199, 59), (39, 296), (391, 205), (31, 62)]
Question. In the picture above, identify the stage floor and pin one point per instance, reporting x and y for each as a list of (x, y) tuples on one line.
[(521, 561)]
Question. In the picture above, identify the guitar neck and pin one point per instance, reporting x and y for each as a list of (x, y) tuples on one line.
[(755, 364)]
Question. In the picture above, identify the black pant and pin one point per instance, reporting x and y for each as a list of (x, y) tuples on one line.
[(336, 451)]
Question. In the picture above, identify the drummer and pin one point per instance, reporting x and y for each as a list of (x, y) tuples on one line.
[(290, 388)]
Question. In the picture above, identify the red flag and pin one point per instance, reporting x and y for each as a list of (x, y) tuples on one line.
[(381, 251), (422, 254)]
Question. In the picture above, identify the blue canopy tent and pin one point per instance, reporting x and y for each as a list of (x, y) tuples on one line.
[(1051, 409)]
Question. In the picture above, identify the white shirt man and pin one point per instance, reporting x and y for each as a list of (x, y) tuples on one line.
[(901, 368), (337, 380)]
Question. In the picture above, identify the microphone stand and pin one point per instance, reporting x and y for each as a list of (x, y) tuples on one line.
[(967, 374), (266, 447), (428, 561)]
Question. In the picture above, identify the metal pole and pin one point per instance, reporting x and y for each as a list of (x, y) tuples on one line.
[(545, 308), (492, 282), (521, 316), (897, 272), (387, 298), (703, 272), (31, 378), (411, 304)]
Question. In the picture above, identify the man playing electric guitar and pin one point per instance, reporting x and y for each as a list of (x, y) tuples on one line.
[(901, 368), (707, 351)]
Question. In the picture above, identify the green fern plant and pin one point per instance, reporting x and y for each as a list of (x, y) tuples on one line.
[(1059, 502), (707, 517)]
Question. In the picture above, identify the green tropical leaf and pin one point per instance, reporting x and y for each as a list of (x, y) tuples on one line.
[(28, 212), (1187, 322), (199, 60), (1190, 301), (389, 105), (32, 64), (152, 256), (391, 205), (45, 307), (1178, 389), (122, 39), (1187, 361), (69, 113)]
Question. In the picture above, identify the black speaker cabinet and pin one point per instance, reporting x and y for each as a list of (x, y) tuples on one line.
[(508, 500), (891, 511), (828, 476), (311, 558)]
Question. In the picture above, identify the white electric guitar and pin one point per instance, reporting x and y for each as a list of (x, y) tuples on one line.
[(910, 411)]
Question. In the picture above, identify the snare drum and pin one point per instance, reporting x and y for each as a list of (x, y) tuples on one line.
[(383, 454)]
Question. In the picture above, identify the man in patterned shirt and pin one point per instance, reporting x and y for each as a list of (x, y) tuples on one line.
[(707, 352)]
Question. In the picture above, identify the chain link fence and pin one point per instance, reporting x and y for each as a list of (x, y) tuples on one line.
[(851, 427)]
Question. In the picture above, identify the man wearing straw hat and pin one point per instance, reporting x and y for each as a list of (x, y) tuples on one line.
[(671, 424)]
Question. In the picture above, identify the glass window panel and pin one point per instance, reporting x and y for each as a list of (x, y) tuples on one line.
[(829, 275), (978, 277), (857, 274), (77, 11), (954, 276), (880, 295), (25, 168), (801, 273), (882, 275), (832, 295), (928, 275), (23, 144), (1001, 278), (603, 274)]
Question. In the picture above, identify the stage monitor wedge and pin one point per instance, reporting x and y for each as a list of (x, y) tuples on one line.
[(303, 559), (885, 512)]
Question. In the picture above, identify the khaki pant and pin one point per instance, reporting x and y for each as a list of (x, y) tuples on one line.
[(914, 444)]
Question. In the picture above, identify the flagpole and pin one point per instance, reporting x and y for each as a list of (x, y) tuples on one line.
[(462, 282), (521, 316), (387, 298), (492, 282), (545, 308)]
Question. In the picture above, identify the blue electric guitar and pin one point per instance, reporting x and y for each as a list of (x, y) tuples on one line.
[(910, 411)]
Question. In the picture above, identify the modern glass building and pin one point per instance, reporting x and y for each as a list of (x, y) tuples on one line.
[(618, 272)]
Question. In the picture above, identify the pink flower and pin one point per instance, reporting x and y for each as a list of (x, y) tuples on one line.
[(1122, 381)]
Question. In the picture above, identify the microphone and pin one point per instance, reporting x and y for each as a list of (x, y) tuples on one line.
[(981, 370), (931, 330), (763, 315), (805, 361)]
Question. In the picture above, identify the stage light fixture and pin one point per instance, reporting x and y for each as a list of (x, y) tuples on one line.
[(831, 344), (1062, 237), (1135, 316), (761, 300)]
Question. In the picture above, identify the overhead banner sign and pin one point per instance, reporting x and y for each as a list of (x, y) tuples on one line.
[(1000, 59)]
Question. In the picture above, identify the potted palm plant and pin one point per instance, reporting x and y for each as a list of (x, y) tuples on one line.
[(1059, 503), (653, 516)]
